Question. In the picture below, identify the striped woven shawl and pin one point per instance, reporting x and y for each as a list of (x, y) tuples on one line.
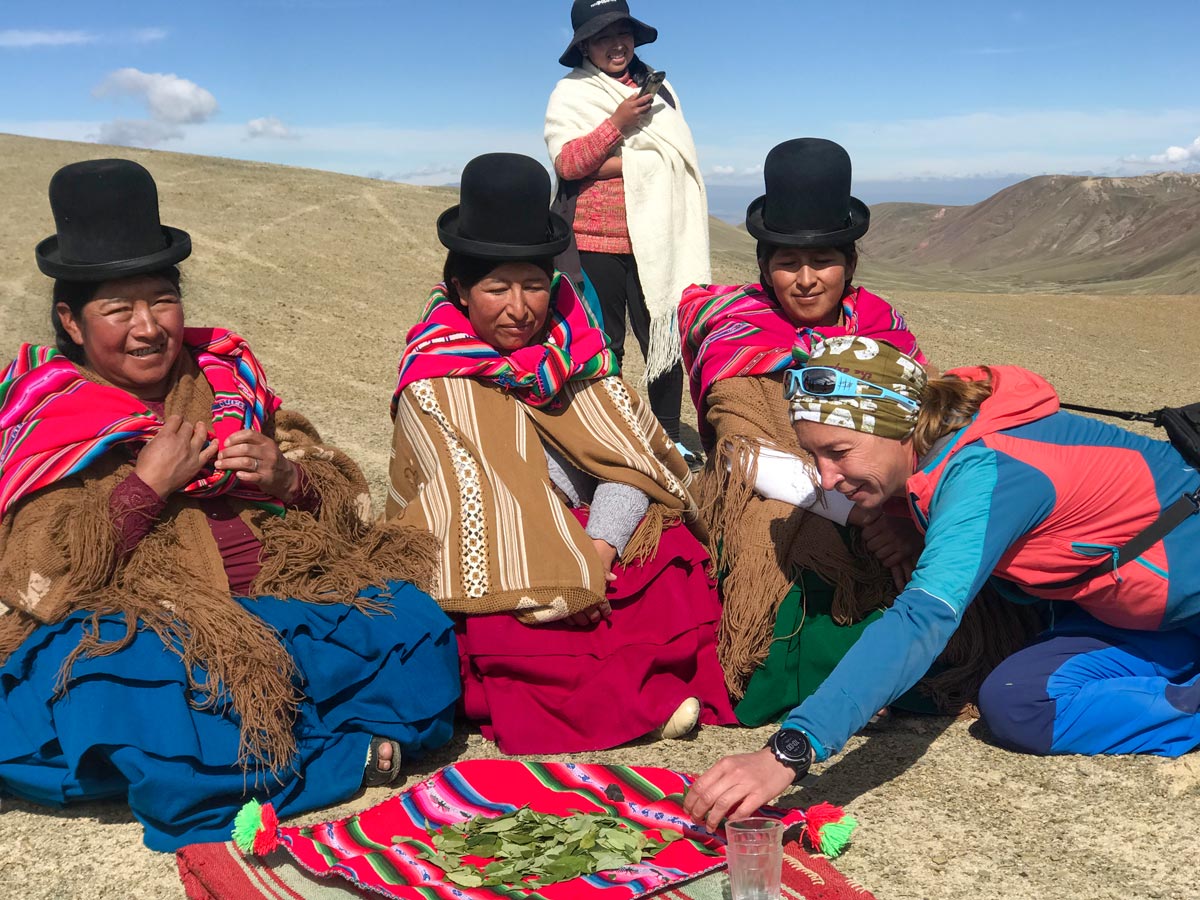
[(731, 332), (56, 419), (468, 462), (444, 344)]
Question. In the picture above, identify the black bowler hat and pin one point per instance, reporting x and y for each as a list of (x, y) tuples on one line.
[(504, 211), (590, 17), (106, 214), (808, 202)]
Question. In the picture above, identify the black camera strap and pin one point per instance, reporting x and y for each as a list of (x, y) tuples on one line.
[(1183, 429), (1125, 414)]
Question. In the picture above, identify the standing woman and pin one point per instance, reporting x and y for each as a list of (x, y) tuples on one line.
[(630, 185)]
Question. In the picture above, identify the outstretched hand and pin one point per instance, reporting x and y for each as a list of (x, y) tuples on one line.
[(735, 787), (173, 457), (256, 459)]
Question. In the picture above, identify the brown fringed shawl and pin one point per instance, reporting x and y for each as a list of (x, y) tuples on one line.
[(58, 555), (468, 465), (764, 544)]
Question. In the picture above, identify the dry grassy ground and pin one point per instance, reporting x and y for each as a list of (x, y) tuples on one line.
[(324, 274)]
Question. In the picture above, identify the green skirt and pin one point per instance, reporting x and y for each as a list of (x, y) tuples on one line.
[(805, 647)]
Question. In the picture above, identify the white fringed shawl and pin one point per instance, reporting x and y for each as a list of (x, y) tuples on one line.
[(666, 206)]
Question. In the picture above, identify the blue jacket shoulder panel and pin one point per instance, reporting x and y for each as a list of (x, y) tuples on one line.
[(984, 502)]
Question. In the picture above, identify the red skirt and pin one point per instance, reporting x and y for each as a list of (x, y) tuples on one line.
[(559, 688)]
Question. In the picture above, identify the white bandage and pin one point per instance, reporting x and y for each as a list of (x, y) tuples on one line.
[(790, 479)]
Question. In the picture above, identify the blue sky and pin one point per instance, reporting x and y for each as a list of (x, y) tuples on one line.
[(936, 101)]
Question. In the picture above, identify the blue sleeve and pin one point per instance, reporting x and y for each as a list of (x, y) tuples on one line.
[(972, 524)]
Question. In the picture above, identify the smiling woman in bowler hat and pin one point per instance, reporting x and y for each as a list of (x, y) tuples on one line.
[(797, 595), (145, 498), (630, 186), (585, 615)]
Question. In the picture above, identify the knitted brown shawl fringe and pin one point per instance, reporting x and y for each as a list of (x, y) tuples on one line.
[(232, 658), (762, 547)]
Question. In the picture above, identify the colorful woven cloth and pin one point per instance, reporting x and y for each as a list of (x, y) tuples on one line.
[(730, 331), (380, 848), (443, 343), (54, 422), (221, 872)]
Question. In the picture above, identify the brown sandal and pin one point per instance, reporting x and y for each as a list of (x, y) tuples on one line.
[(373, 776)]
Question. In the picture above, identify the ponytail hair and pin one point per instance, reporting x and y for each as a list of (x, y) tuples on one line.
[(947, 404)]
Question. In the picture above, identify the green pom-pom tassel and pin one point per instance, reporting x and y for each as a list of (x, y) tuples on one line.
[(246, 825), (836, 835)]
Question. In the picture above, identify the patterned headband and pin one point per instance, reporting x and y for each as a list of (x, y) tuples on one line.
[(855, 382)]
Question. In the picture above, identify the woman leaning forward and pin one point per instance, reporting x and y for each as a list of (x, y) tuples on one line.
[(1008, 487)]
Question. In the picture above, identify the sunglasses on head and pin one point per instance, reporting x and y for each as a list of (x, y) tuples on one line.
[(822, 381)]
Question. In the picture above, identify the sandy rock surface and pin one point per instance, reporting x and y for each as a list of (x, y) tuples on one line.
[(325, 273)]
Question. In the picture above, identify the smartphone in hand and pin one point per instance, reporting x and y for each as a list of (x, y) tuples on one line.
[(653, 82)]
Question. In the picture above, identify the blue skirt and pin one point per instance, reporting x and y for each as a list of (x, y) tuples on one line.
[(128, 725)]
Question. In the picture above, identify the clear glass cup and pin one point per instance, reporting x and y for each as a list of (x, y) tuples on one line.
[(755, 856)]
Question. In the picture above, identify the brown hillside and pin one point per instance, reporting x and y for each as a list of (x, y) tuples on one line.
[(1055, 232), (304, 263)]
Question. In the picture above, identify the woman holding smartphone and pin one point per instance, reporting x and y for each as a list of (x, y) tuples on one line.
[(630, 184)]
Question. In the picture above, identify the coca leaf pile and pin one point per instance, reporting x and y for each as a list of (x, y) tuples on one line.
[(531, 849)]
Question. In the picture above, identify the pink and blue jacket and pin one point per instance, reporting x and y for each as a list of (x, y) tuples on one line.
[(1025, 495)]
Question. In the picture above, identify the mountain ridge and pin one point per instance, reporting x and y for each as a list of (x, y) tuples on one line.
[(1136, 235), (1047, 234)]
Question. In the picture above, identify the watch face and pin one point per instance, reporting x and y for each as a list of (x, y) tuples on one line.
[(792, 744)]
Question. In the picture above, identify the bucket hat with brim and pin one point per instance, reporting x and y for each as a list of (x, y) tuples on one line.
[(590, 17)]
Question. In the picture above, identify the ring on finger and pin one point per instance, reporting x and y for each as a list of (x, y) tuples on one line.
[(255, 469)]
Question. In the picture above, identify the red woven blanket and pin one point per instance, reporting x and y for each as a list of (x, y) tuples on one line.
[(379, 849)]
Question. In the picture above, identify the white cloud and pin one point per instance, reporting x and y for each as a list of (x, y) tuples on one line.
[(137, 133), (171, 101), (724, 170), (17, 39), (429, 175), (148, 35), (1030, 142), (169, 98), (1175, 156), (271, 128)]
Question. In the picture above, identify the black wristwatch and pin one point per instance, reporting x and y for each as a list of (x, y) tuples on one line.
[(792, 748)]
